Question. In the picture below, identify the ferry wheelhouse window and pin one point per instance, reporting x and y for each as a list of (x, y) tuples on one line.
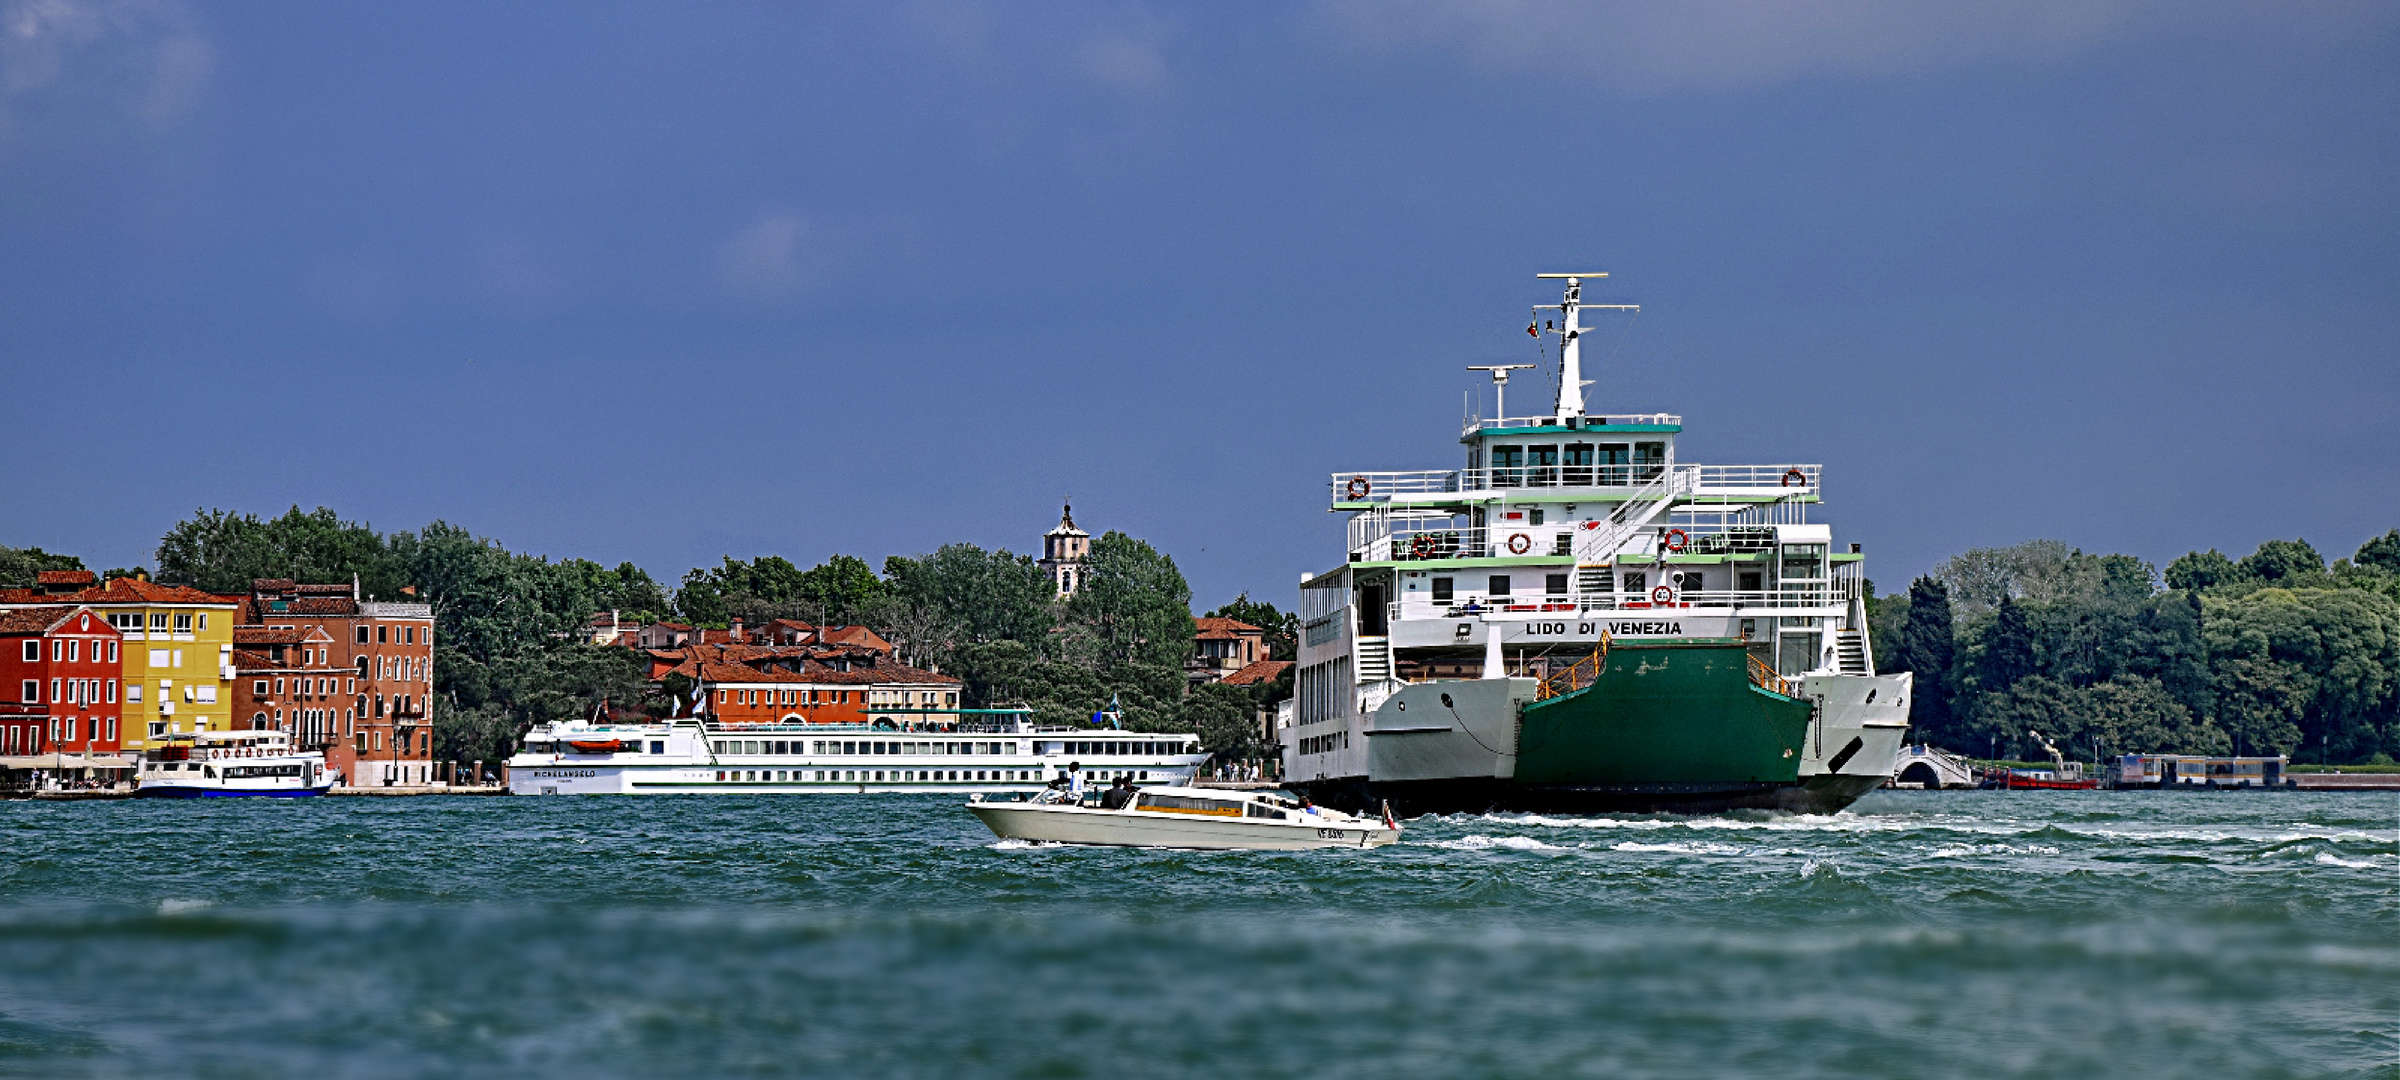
[(1506, 461), (1804, 561), (1441, 589), (1555, 584), (1578, 461), (1635, 581), (1499, 585)]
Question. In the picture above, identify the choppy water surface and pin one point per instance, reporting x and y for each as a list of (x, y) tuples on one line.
[(1919, 934)]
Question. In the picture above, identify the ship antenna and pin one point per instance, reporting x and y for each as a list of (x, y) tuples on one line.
[(1570, 348), (1499, 385)]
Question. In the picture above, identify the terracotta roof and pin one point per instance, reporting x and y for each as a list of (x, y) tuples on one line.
[(1208, 624), (853, 635), (120, 591), (64, 577), (1261, 671), (260, 635), (813, 672), (247, 662), (1217, 635), (39, 620)]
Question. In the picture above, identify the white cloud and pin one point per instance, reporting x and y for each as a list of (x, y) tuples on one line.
[(766, 259), (1125, 60), (1665, 46), (88, 47)]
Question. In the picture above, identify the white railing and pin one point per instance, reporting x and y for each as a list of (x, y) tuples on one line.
[(1643, 419), (1706, 480), (1763, 601), (1599, 541)]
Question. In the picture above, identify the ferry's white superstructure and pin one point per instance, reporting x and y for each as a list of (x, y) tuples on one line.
[(981, 751)]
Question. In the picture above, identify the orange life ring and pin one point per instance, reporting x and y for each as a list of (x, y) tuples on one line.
[(1662, 595), (1358, 488), (1422, 547), (1519, 544), (1794, 478), (1674, 539)]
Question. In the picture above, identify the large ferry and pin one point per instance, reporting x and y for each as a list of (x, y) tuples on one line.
[(974, 750), (1578, 619), (220, 764)]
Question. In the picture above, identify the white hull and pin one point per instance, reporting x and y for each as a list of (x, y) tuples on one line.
[(1137, 828)]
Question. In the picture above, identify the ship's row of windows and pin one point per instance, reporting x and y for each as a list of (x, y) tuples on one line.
[(904, 776), (747, 747), (832, 746), (1325, 744)]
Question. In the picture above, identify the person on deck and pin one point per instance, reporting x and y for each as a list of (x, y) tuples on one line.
[(1119, 795), (1075, 780)]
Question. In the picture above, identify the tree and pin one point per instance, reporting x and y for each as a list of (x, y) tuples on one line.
[(19, 565), (1283, 628), (2347, 641), (2007, 649), (2203, 570), (2261, 702), (2277, 560), (223, 552), (2382, 552), (2135, 715), (1132, 606), (1929, 647)]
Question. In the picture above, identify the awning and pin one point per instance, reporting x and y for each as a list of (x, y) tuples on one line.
[(65, 761)]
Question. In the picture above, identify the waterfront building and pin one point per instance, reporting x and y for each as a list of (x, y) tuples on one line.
[(177, 648), (376, 724), (750, 684), (1064, 549), (61, 672), (285, 679), (1221, 647)]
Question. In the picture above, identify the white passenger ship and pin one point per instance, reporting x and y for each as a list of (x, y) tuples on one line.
[(982, 750), (1580, 619), (220, 764)]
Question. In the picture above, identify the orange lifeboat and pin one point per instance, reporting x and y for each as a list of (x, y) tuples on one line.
[(596, 746)]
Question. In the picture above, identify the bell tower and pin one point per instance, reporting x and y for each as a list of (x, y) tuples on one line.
[(1063, 551)]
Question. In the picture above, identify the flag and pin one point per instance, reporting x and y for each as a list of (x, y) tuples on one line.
[(1532, 330)]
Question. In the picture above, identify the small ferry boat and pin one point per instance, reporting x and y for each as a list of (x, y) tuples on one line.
[(966, 750), (1183, 817), (220, 764)]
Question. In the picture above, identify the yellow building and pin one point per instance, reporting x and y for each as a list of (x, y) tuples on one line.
[(178, 652)]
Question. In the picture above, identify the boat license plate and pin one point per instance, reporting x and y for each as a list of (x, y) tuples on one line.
[(1331, 834)]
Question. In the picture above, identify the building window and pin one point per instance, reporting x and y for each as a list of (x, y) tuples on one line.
[(112, 691), (33, 651), (32, 692), (183, 624), (75, 651), (259, 688), (112, 652), (158, 622)]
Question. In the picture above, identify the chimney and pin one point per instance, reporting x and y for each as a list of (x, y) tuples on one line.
[(737, 630)]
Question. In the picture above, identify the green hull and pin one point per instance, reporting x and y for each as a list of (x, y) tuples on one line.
[(1671, 714)]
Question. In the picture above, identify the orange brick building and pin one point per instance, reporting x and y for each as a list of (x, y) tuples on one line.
[(372, 718)]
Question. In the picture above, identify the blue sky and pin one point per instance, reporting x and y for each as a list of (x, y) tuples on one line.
[(668, 282)]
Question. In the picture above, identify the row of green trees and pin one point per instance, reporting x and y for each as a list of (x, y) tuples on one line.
[(2276, 652), (509, 652)]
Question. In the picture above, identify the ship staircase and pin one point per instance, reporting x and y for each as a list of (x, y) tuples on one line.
[(1850, 652), (1598, 542), (1374, 659)]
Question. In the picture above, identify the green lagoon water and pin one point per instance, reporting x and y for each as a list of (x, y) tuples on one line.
[(1919, 934)]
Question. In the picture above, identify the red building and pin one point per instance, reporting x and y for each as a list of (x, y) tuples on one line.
[(371, 716), (755, 684), (60, 668)]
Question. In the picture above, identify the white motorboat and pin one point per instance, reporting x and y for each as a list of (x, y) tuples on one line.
[(1184, 817)]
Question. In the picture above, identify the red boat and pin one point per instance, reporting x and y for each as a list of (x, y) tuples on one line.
[(2062, 775), (2046, 780)]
